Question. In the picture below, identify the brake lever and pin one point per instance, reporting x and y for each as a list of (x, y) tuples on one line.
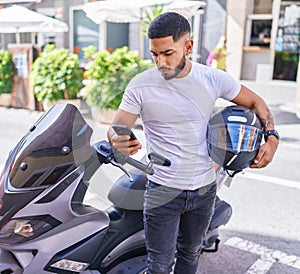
[(120, 166)]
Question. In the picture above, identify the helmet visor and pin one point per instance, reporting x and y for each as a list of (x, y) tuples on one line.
[(234, 137)]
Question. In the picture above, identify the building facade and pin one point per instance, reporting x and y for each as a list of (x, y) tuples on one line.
[(263, 37)]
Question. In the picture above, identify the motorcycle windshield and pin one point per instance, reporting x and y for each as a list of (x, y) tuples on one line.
[(57, 143)]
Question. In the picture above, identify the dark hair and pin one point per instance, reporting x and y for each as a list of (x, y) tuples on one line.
[(169, 24)]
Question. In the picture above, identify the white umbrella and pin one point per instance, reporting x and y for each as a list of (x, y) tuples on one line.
[(125, 11), (130, 11), (17, 19)]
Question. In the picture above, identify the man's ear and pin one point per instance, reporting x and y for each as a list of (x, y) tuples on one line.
[(189, 46)]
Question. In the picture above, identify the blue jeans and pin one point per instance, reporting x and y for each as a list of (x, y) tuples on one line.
[(176, 220)]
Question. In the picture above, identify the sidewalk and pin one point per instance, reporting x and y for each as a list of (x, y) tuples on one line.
[(277, 93)]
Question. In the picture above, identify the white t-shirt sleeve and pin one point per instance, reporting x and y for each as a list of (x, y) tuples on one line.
[(226, 86), (131, 102)]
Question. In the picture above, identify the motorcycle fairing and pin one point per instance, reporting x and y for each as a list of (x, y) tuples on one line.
[(8, 262), (74, 225)]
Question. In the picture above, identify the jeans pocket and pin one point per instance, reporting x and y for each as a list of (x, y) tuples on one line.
[(158, 195)]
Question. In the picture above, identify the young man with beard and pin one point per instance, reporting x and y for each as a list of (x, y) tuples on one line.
[(175, 101)]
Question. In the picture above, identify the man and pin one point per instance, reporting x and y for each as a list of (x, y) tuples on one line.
[(175, 101)]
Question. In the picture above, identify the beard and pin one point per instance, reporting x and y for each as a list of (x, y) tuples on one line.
[(169, 72)]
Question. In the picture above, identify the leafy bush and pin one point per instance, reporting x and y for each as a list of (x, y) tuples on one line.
[(6, 71), (109, 74), (56, 74)]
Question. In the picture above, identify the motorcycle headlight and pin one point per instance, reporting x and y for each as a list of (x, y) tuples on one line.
[(18, 231)]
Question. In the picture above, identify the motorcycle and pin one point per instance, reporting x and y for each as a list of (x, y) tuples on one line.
[(45, 227)]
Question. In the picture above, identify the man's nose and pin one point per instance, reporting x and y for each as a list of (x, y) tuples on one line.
[(161, 60)]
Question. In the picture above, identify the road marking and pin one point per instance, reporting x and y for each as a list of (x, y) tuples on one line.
[(260, 267), (267, 255), (270, 179)]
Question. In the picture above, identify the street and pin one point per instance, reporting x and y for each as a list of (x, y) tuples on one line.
[(263, 234)]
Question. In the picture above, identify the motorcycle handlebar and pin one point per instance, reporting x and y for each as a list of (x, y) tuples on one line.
[(139, 165), (108, 154)]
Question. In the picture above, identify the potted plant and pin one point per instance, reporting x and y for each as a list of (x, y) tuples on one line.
[(6, 78), (56, 75), (108, 74)]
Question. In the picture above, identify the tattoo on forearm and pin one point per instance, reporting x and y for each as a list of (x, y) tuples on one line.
[(267, 120)]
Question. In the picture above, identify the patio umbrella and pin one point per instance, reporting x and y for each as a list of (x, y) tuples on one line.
[(130, 11), (17, 19), (122, 11)]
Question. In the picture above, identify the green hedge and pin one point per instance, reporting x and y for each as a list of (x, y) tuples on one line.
[(109, 74), (6, 72), (56, 74)]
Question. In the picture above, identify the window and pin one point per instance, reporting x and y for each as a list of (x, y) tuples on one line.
[(258, 31)]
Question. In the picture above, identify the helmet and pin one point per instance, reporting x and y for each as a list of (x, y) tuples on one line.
[(233, 137)]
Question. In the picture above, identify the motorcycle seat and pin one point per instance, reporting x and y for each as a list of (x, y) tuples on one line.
[(129, 195)]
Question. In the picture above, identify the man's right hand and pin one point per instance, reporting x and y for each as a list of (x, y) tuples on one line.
[(122, 144)]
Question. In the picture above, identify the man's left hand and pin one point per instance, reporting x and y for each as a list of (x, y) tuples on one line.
[(266, 153)]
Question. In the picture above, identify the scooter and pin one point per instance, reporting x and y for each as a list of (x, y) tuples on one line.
[(45, 227)]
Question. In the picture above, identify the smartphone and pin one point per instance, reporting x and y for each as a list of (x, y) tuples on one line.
[(124, 130)]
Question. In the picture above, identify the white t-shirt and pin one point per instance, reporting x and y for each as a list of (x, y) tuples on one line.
[(175, 114)]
